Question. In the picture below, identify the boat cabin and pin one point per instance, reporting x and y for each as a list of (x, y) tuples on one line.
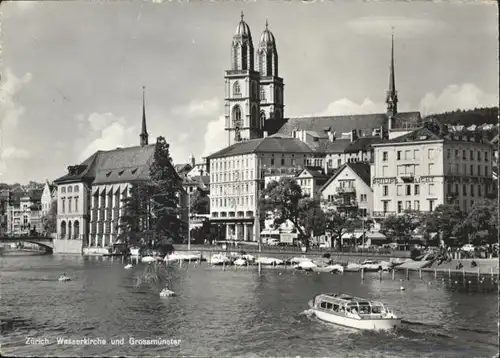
[(342, 304)]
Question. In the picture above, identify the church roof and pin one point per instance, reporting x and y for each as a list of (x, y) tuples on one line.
[(264, 145), (336, 147), (122, 165), (344, 124)]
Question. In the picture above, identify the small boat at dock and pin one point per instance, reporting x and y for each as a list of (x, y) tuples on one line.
[(220, 259), (353, 312)]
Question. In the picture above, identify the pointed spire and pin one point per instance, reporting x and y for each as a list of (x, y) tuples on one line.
[(144, 132), (242, 15), (267, 24), (392, 95)]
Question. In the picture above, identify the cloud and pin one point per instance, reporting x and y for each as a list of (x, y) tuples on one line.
[(15, 153), (198, 108), (215, 136), (345, 106), (10, 110), (107, 132), (403, 26), (453, 97)]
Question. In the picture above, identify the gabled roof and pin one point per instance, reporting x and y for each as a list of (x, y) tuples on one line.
[(420, 134), (264, 145), (315, 172), (81, 172), (363, 144), (362, 170)]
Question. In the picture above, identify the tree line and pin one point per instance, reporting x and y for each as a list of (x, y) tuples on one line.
[(285, 201), (477, 116)]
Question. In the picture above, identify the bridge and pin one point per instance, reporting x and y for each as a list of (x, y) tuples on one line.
[(46, 242)]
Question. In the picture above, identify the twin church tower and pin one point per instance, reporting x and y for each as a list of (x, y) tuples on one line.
[(252, 97)]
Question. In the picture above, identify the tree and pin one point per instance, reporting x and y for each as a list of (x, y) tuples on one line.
[(285, 200), (49, 220), (312, 217), (339, 223), (199, 203), (443, 221), (133, 222), (164, 189), (401, 227), (481, 221)]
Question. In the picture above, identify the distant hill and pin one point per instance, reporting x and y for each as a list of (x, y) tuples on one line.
[(469, 117)]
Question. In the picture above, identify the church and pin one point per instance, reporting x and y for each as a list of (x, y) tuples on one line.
[(255, 106), (90, 195)]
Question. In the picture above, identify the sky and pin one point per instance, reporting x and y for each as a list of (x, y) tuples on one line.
[(72, 72)]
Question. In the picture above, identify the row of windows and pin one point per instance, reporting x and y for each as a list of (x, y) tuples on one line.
[(233, 176), (363, 198), (70, 189), (475, 189), (70, 205), (237, 92), (412, 169), (471, 155), (242, 188), (225, 202), (228, 165), (407, 205), (456, 169), (431, 154)]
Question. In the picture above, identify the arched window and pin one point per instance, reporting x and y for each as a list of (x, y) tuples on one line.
[(236, 88), (69, 230), (63, 229), (237, 117), (262, 119), (269, 65), (244, 57), (70, 189), (63, 190), (76, 229), (262, 61), (76, 189), (255, 121), (262, 93)]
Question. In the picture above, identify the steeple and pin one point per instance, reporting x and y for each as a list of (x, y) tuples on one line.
[(144, 132), (392, 94)]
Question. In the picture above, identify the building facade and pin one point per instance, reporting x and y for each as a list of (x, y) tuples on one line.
[(237, 178), (49, 196), (24, 214), (428, 167), (310, 180)]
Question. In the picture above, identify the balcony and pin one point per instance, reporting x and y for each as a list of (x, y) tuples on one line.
[(383, 214), (346, 190), (407, 177)]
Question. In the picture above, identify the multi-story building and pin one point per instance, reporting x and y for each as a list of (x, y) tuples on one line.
[(198, 169), (349, 188), (429, 167), (90, 196), (49, 196), (237, 178), (311, 179), (24, 212), (4, 205)]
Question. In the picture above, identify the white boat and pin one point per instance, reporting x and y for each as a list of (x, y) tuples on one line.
[(167, 293), (352, 267), (220, 259), (298, 260), (182, 257), (240, 262), (129, 266), (305, 265), (372, 265), (64, 278), (353, 312), (328, 268), (148, 259), (269, 261)]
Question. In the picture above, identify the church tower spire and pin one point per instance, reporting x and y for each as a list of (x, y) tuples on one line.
[(392, 94), (144, 132)]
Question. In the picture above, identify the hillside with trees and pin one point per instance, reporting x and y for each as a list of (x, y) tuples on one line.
[(477, 116)]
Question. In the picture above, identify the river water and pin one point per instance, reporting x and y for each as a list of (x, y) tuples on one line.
[(235, 312)]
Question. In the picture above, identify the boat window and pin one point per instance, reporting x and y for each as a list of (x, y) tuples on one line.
[(323, 305), (336, 308), (328, 306), (364, 309), (376, 309)]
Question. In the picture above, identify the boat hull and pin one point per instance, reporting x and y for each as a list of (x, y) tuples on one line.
[(361, 324)]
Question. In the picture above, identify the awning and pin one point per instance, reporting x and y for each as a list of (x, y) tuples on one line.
[(269, 232), (352, 235), (375, 235)]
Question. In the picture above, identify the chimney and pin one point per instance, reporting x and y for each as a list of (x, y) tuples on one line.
[(354, 135)]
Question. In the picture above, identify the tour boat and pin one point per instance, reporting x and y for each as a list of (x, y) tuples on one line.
[(328, 268), (353, 312), (64, 278), (269, 261), (182, 257)]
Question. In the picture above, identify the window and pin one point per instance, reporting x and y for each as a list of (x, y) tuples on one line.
[(456, 153), (363, 198), (76, 204), (282, 161), (472, 190), (236, 88), (431, 168), (485, 156), (471, 170), (479, 169), (416, 205), (385, 170), (456, 189), (431, 189), (294, 162), (63, 190), (464, 189), (76, 189), (399, 155), (272, 161), (471, 155), (69, 205), (408, 190), (431, 205), (400, 206), (431, 153), (237, 117), (262, 93), (70, 189), (464, 155), (408, 205), (486, 171), (385, 205), (416, 154), (385, 190), (385, 156), (456, 169), (417, 189), (399, 190), (479, 190), (478, 155), (448, 153), (339, 162)]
